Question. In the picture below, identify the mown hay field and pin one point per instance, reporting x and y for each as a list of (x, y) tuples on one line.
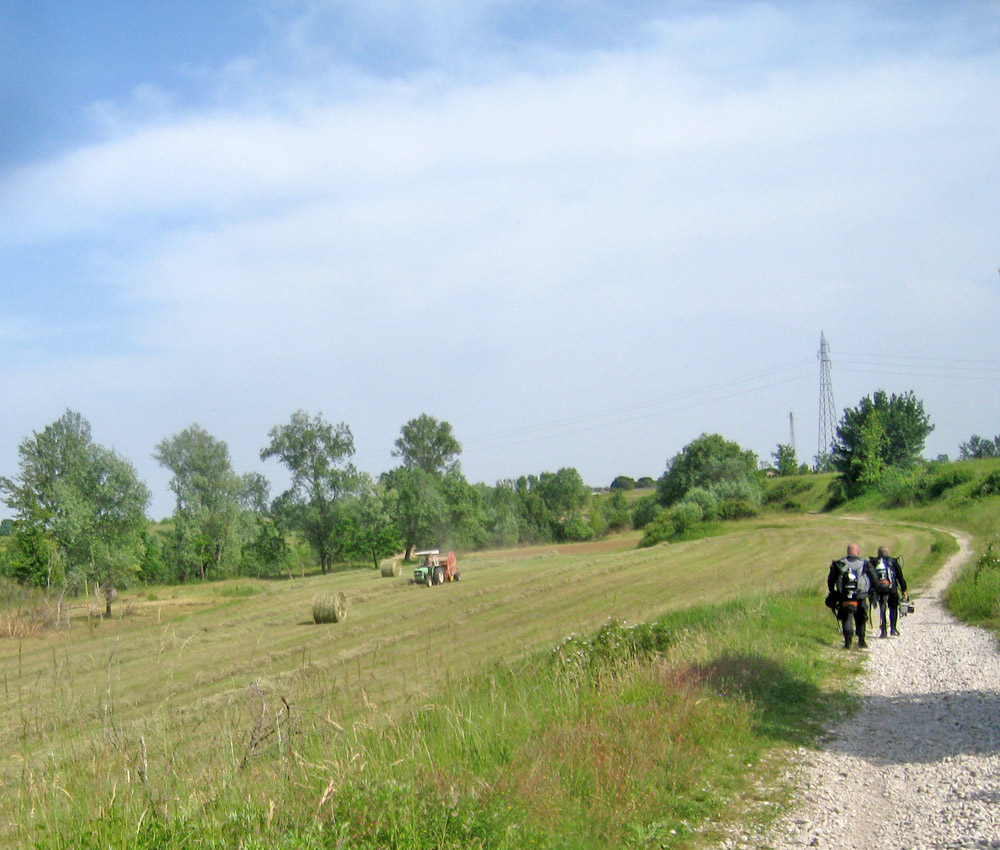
[(177, 682)]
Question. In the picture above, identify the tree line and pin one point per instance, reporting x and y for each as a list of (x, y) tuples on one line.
[(80, 508)]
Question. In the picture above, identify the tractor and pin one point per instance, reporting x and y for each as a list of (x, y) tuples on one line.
[(434, 569)]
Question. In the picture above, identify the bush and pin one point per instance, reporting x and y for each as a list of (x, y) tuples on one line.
[(948, 479), (684, 515), (706, 500), (576, 530), (659, 529), (644, 511), (737, 509), (900, 489), (785, 489), (990, 485)]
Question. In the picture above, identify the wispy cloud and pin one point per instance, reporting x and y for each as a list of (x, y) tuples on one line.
[(397, 207)]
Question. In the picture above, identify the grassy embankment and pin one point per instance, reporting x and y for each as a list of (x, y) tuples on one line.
[(459, 716)]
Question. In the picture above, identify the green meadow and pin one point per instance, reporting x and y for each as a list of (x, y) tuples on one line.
[(581, 696)]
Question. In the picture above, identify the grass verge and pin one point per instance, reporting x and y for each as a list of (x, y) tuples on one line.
[(652, 735)]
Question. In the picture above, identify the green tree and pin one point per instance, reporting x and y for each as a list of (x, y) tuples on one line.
[(977, 448), (623, 482), (427, 444), (883, 432), (376, 529), (207, 515), (501, 506), (101, 521), (784, 459), (422, 509), (551, 505), (428, 452), (719, 465), (615, 510), (86, 499), (318, 456)]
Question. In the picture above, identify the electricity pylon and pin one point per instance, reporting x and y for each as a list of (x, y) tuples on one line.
[(827, 418)]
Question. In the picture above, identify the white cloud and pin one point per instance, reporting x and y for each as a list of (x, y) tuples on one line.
[(516, 247)]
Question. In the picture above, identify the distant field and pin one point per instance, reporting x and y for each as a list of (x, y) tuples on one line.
[(188, 671)]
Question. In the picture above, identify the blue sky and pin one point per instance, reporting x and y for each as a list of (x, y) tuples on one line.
[(581, 232)]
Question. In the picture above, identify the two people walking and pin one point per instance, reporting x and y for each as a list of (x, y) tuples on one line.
[(855, 584)]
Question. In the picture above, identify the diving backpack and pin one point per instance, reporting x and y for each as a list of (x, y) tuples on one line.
[(847, 585), (883, 576)]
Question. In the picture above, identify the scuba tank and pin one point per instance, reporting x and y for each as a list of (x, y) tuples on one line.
[(849, 588)]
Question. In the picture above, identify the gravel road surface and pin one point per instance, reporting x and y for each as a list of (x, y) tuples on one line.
[(919, 766)]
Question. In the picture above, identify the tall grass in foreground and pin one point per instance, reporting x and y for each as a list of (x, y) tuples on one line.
[(653, 735)]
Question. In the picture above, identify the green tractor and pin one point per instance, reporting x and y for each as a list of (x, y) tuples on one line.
[(434, 569)]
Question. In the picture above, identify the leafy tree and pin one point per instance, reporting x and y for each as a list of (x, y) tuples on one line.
[(623, 482), (467, 515), (502, 515), (977, 448), (645, 510), (551, 505), (86, 499), (784, 459), (32, 557), (427, 444), (318, 456), (207, 515), (422, 509), (374, 510), (646, 483), (101, 521), (615, 511), (429, 452), (265, 546), (712, 462), (882, 432)]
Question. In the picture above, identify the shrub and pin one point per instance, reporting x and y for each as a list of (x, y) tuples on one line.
[(684, 515), (659, 529), (990, 485), (948, 479), (644, 511), (899, 489), (576, 530), (737, 509), (706, 500)]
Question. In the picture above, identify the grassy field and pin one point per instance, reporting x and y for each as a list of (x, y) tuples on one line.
[(199, 694)]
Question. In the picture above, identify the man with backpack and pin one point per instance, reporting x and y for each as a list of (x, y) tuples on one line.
[(889, 581), (850, 583)]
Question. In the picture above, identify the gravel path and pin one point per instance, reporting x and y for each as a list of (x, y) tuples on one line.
[(919, 765)]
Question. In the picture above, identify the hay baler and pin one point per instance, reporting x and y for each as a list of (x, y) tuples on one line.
[(434, 569)]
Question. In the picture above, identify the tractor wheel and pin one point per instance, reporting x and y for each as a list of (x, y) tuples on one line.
[(457, 576), (439, 575), (429, 580)]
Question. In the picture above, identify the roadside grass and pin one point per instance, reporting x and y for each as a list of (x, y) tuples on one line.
[(653, 735)]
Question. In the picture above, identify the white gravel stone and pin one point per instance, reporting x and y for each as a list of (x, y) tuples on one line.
[(919, 765)]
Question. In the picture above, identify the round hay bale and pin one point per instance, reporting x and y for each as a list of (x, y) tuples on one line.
[(391, 567), (329, 608)]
